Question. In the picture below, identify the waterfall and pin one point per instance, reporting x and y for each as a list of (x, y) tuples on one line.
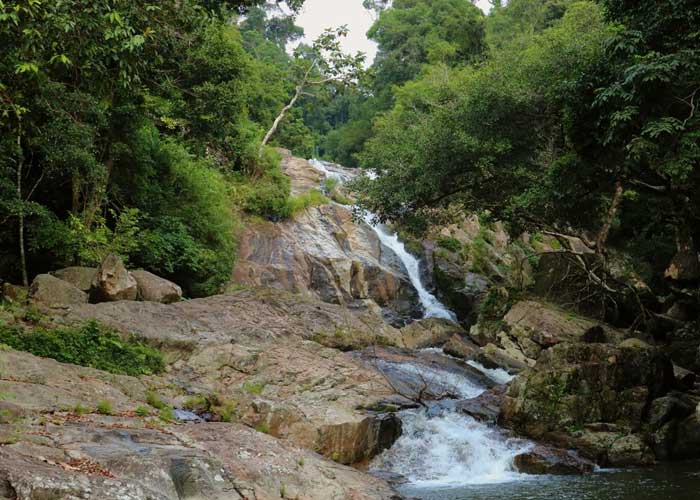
[(439, 446), (432, 307)]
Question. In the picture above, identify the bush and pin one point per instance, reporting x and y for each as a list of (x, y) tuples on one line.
[(449, 243), (91, 344)]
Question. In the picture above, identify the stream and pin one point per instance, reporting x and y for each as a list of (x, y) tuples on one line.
[(444, 454)]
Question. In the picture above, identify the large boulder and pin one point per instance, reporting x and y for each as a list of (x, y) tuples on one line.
[(431, 332), (153, 288), (113, 282), (79, 277), (51, 291), (535, 326), (545, 460), (577, 385)]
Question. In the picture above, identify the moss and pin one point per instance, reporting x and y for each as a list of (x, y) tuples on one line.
[(254, 387), (197, 403), (263, 427), (90, 344)]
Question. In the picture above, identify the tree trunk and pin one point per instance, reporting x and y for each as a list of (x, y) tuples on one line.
[(612, 212), (280, 117), (20, 214)]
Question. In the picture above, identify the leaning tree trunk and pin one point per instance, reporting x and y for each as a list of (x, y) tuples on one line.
[(612, 212), (280, 117)]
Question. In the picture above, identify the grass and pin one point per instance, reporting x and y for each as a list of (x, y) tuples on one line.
[(166, 414), (80, 409), (104, 407), (91, 344), (142, 411), (296, 204), (263, 427), (155, 401)]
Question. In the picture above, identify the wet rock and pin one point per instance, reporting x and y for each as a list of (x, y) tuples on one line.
[(546, 460), (630, 450), (461, 347), (486, 407), (51, 291), (153, 288), (113, 282), (511, 361), (687, 443), (79, 277), (431, 332)]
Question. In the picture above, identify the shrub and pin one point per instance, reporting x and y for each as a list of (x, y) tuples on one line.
[(155, 401), (449, 243), (296, 204), (90, 344)]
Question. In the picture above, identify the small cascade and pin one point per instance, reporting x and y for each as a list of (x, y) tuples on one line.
[(439, 447), (448, 450)]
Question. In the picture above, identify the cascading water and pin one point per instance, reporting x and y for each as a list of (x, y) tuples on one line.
[(432, 307), (440, 447)]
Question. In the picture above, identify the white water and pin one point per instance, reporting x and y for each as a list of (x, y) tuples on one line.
[(448, 449), (498, 375), (432, 307), (440, 380)]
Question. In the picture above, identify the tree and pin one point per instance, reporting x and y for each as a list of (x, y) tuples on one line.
[(321, 64)]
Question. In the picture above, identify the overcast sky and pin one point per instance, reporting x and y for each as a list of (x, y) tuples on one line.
[(318, 15)]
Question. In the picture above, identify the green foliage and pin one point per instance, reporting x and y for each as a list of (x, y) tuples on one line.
[(296, 204), (166, 414), (449, 243), (93, 244), (104, 407), (80, 409), (91, 344), (142, 411), (154, 400)]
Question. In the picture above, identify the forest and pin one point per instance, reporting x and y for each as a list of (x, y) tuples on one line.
[(140, 128)]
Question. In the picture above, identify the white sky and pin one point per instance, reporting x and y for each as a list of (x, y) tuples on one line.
[(318, 15)]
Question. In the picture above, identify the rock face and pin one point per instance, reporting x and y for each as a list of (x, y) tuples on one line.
[(323, 253), (128, 457), (153, 288), (51, 291), (79, 277), (600, 388), (113, 282), (258, 348)]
